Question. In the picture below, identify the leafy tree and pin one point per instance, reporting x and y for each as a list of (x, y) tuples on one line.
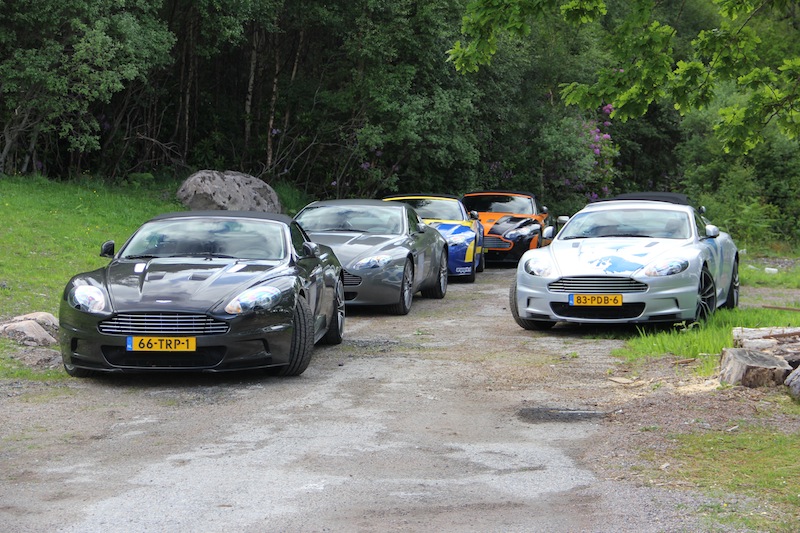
[(58, 59), (647, 67)]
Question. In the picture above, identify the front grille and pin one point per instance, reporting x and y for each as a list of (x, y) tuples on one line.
[(597, 285), (163, 324), (496, 242), (350, 280), (625, 311)]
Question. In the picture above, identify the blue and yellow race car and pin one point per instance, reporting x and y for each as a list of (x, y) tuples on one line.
[(461, 228)]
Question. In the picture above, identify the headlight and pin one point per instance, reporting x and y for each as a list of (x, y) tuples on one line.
[(538, 266), (458, 238), (88, 298), (522, 232), (256, 298), (376, 261), (666, 268)]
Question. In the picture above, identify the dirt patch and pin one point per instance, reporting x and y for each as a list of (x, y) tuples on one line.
[(450, 418)]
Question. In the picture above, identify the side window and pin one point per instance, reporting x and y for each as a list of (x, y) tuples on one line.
[(298, 237), (413, 221), (701, 226)]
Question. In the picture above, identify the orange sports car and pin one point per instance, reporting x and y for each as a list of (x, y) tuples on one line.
[(513, 222)]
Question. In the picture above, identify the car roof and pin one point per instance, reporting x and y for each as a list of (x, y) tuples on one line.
[(612, 204), (499, 191), (223, 213), (669, 197), (421, 195), (357, 201)]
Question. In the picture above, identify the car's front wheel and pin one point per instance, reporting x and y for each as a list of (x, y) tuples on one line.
[(439, 289), (706, 296), (302, 341), (336, 317), (481, 263), (525, 323), (403, 306), (732, 301)]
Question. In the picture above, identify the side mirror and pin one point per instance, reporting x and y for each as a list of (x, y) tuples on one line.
[(563, 219), (310, 249), (107, 249), (548, 232), (474, 215), (421, 228), (544, 209), (712, 231)]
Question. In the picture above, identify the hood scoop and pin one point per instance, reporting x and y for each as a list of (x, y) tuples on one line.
[(155, 276), (199, 276)]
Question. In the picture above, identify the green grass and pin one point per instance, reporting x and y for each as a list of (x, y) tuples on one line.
[(292, 199), (754, 275), (53, 230), (755, 462), (705, 341)]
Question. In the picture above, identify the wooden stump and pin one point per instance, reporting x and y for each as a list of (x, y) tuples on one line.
[(750, 368)]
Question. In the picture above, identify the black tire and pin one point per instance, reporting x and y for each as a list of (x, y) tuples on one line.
[(439, 289), (403, 306), (336, 317), (706, 296), (76, 372), (525, 323), (302, 342), (733, 291), (470, 278), (481, 263)]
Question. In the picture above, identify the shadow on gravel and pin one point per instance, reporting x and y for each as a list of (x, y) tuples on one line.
[(536, 415)]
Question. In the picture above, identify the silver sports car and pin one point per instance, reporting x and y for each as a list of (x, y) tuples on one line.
[(636, 258), (388, 253)]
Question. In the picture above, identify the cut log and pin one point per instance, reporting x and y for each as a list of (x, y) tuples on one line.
[(752, 369)]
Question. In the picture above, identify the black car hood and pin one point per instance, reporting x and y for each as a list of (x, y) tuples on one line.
[(180, 284), (506, 223)]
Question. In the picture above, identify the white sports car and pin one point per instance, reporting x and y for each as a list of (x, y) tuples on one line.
[(635, 258)]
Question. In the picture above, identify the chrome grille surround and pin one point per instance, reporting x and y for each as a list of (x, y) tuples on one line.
[(496, 243), (597, 285), (351, 280), (162, 324)]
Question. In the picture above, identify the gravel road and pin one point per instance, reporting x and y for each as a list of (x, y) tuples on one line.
[(449, 419)]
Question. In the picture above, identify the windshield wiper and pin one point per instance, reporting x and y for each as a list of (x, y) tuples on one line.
[(141, 256), (207, 255)]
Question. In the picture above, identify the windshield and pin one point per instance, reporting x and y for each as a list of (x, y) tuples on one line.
[(360, 218), (435, 208), (500, 203), (212, 237), (654, 223)]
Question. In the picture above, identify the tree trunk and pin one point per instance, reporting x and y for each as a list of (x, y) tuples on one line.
[(248, 102), (272, 103)]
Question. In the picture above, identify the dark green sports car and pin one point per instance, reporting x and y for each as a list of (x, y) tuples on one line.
[(205, 292)]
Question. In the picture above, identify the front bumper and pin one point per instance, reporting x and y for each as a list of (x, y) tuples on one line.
[(668, 299), (252, 342)]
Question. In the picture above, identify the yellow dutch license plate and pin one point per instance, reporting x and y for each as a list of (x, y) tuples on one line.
[(161, 344), (599, 300)]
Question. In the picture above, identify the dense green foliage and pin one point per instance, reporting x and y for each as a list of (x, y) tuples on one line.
[(361, 98)]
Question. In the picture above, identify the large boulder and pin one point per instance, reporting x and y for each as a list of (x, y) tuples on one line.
[(232, 191)]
